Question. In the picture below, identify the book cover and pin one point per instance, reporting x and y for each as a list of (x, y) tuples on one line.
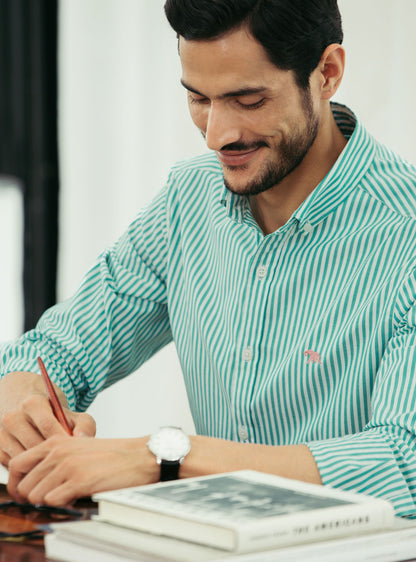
[(244, 510), (96, 541)]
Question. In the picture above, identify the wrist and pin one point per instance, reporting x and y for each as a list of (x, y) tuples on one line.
[(16, 387), (145, 467)]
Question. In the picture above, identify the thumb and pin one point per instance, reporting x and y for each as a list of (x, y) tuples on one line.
[(84, 425)]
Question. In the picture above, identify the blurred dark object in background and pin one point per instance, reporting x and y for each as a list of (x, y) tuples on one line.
[(28, 138)]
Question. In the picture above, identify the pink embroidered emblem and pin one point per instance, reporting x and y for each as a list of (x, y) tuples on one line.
[(313, 356)]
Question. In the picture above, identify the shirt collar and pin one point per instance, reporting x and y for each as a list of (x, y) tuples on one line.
[(345, 174), (340, 181)]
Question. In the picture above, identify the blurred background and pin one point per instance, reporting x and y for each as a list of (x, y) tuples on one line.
[(118, 115)]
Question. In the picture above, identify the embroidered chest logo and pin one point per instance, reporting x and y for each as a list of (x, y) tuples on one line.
[(313, 356)]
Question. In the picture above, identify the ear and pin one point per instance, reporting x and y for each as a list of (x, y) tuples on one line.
[(331, 69)]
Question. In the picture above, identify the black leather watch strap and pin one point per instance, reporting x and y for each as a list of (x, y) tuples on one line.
[(169, 470)]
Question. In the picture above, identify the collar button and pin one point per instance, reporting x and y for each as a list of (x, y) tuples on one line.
[(307, 228)]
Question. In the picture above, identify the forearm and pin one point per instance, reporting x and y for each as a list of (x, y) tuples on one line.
[(210, 456), (62, 469)]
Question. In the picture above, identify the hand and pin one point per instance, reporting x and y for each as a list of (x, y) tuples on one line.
[(27, 418), (63, 468)]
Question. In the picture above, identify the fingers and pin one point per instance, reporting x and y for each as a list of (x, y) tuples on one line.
[(29, 426), (4, 458), (28, 470), (18, 433), (64, 468), (24, 428), (55, 482), (52, 472), (39, 414), (9, 447), (84, 425)]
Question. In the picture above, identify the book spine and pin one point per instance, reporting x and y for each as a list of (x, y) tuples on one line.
[(307, 527)]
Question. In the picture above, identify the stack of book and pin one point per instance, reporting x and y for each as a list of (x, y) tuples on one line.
[(245, 515)]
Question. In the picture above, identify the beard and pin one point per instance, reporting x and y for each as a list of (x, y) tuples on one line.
[(292, 151)]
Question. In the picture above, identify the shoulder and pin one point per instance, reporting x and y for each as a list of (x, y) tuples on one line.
[(195, 185), (205, 167), (207, 162), (392, 180)]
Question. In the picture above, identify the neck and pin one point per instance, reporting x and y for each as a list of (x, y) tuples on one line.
[(274, 207)]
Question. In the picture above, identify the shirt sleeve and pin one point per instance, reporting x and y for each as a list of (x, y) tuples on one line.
[(381, 460), (117, 319)]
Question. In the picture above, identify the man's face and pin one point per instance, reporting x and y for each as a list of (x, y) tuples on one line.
[(255, 117)]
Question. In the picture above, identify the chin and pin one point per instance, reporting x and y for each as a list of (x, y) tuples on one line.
[(238, 189), (240, 186)]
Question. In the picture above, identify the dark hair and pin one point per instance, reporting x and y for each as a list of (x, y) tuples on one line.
[(294, 33)]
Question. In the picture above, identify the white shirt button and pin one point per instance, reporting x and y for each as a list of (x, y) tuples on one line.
[(243, 432), (307, 227), (261, 272), (247, 354)]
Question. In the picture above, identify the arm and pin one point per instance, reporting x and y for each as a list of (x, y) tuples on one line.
[(63, 469), (117, 319), (381, 459)]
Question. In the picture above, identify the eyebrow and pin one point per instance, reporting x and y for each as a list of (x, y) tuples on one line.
[(235, 93)]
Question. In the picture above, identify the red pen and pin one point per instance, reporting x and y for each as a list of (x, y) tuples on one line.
[(53, 399)]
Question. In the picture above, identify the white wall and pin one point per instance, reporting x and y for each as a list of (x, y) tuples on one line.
[(380, 79), (123, 122), (11, 259)]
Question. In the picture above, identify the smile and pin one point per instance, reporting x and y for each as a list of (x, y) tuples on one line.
[(234, 158)]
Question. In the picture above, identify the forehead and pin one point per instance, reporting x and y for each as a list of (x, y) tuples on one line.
[(233, 61)]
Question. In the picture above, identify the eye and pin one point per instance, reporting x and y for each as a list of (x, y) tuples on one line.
[(192, 98), (254, 105)]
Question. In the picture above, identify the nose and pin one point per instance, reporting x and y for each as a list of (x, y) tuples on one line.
[(222, 127)]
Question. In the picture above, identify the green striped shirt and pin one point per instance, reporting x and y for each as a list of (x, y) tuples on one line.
[(306, 335)]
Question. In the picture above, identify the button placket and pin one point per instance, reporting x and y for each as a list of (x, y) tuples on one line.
[(243, 433), (247, 354), (255, 299)]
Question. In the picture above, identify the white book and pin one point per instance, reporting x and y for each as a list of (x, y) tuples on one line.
[(244, 511), (96, 541)]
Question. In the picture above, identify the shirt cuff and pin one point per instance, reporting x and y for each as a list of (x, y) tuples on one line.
[(367, 463)]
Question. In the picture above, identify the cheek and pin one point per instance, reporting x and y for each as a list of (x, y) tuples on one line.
[(267, 121), (199, 116), (262, 126)]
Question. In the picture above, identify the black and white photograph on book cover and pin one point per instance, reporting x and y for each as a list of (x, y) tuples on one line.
[(232, 495)]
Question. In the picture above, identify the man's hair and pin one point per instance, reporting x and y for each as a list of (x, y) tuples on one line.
[(294, 33)]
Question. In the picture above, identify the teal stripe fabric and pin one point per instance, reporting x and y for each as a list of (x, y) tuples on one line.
[(306, 335)]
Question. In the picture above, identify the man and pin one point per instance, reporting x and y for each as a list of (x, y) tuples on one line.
[(282, 265)]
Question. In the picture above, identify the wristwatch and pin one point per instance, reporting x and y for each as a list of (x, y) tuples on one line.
[(170, 445)]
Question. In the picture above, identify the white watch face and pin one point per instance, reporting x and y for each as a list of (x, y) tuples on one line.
[(170, 444)]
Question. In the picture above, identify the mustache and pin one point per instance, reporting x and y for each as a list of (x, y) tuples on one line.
[(240, 146)]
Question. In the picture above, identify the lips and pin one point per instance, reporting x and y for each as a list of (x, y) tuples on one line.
[(234, 158)]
